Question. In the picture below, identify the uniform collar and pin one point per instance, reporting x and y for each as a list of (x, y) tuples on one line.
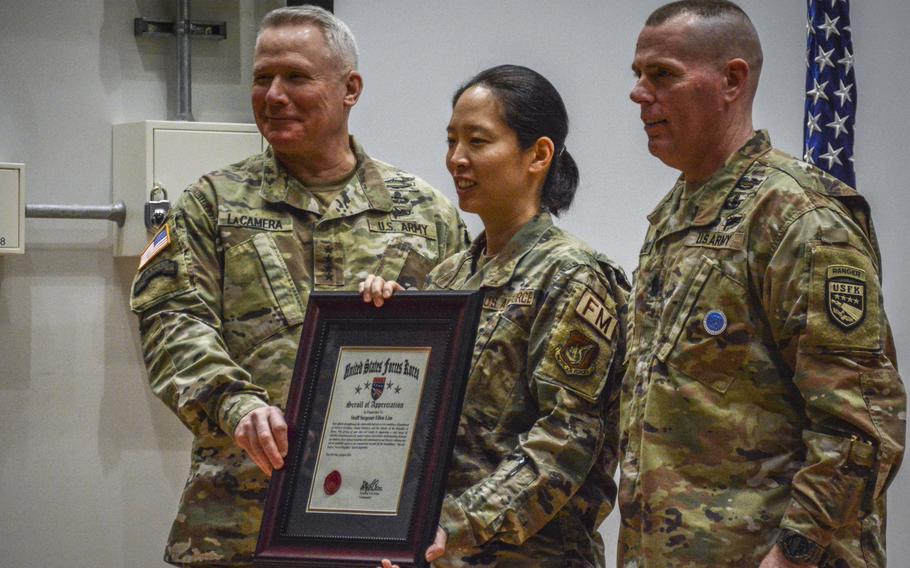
[(675, 212), (364, 192), (499, 270)]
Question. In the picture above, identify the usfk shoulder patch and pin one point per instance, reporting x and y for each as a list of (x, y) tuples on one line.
[(592, 310), (844, 311), (158, 243), (577, 355), (845, 297)]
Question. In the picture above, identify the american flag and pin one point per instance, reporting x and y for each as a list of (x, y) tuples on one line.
[(157, 244), (830, 89)]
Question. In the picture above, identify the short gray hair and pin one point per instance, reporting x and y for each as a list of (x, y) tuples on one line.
[(338, 36)]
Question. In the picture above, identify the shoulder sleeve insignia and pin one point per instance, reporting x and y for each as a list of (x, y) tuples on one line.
[(577, 355), (845, 295), (844, 308), (163, 268)]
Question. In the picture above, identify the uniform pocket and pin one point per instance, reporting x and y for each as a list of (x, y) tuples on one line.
[(711, 334), (493, 375), (404, 264), (260, 298), (885, 400)]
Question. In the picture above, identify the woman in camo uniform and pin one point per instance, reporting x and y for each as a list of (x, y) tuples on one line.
[(531, 476)]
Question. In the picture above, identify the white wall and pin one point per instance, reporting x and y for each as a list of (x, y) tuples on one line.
[(91, 464)]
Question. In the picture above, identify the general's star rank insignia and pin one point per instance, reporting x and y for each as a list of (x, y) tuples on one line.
[(577, 355), (845, 295)]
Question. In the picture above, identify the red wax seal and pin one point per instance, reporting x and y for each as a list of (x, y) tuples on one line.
[(332, 483)]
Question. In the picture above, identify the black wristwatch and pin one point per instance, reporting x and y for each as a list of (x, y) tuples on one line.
[(798, 548)]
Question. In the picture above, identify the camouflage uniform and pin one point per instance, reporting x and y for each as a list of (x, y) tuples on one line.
[(528, 484), (760, 390), (221, 307)]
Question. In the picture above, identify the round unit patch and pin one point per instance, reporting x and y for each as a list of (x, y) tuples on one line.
[(715, 322)]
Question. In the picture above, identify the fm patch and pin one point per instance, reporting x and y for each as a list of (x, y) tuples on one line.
[(577, 355), (845, 296), (592, 310)]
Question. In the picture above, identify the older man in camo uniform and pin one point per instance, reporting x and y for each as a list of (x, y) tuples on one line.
[(763, 417), (222, 290)]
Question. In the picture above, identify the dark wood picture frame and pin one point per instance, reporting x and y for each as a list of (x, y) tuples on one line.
[(444, 325)]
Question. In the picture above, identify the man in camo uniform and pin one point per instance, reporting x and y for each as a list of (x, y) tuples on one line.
[(222, 290), (763, 417)]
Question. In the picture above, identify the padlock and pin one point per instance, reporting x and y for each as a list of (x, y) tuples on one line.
[(156, 208)]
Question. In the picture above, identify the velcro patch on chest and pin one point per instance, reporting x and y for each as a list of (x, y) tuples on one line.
[(408, 227), (524, 297), (845, 297), (716, 239), (593, 311), (258, 221)]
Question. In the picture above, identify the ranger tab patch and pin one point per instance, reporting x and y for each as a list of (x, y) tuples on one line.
[(577, 355), (845, 295)]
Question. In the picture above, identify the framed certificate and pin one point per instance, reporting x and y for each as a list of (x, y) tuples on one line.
[(372, 412)]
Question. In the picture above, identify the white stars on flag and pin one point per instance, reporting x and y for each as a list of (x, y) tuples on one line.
[(837, 124), (818, 92), (846, 61), (830, 27), (832, 156), (831, 97), (843, 93), (812, 122), (823, 58)]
